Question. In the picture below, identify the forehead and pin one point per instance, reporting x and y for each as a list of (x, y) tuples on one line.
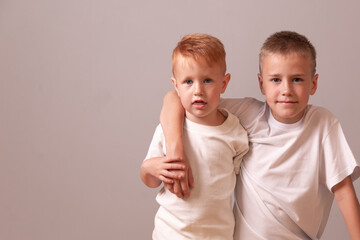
[(188, 67), (294, 61), (181, 62)]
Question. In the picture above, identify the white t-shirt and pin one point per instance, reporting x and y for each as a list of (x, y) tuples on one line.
[(284, 187), (215, 154)]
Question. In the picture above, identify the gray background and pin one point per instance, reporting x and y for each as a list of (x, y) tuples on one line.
[(81, 86)]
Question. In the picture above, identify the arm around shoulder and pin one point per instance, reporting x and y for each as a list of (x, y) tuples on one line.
[(172, 119)]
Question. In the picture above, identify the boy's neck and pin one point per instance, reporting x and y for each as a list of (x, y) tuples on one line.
[(216, 119), (274, 122)]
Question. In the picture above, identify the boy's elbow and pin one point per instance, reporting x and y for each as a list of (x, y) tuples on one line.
[(153, 184), (169, 95), (344, 189), (149, 180)]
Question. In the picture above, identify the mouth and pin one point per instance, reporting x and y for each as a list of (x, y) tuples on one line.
[(287, 102), (199, 104)]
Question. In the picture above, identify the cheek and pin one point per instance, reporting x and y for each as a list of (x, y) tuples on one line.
[(269, 93), (268, 89), (215, 93), (306, 96), (304, 93), (185, 97)]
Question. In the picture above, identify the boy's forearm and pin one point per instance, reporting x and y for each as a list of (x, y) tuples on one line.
[(348, 203), (172, 119)]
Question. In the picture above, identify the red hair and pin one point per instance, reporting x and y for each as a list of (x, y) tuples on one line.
[(201, 46)]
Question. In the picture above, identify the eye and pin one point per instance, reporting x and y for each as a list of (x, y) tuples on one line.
[(297, 80), (275, 80), (207, 80), (188, 81)]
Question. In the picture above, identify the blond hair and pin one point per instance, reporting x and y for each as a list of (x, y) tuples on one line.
[(287, 42), (200, 47)]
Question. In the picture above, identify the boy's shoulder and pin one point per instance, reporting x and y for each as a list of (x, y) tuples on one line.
[(239, 105), (159, 134), (320, 111), (320, 114), (240, 101)]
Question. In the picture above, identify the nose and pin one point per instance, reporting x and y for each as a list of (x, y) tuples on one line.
[(198, 89), (286, 87)]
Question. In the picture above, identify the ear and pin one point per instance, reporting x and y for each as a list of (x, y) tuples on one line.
[(225, 82), (314, 84), (173, 80), (261, 84)]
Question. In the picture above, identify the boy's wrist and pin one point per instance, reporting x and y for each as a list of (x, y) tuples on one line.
[(175, 148)]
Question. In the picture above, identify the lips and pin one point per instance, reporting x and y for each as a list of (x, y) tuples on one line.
[(287, 102), (199, 104)]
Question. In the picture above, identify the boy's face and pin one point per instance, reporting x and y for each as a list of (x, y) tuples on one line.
[(199, 87), (287, 82)]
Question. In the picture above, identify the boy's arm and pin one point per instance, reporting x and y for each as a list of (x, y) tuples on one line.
[(156, 170), (348, 203), (172, 119)]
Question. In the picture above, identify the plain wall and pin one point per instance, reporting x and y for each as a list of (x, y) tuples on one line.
[(81, 87)]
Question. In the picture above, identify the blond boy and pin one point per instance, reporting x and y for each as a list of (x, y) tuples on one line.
[(214, 142), (298, 160)]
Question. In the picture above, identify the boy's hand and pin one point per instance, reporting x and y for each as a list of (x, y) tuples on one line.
[(181, 187), (161, 169), (169, 169)]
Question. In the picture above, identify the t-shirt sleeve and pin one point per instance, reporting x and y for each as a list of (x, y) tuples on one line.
[(157, 145), (242, 147), (245, 109), (339, 161), (233, 105)]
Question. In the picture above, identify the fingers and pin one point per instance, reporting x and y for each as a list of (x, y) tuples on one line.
[(177, 189), (185, 187), (166, 180), (169, 176), (175, 166), (190, 178), (170, 187), (183, 181), (168, 159), (174, 174)]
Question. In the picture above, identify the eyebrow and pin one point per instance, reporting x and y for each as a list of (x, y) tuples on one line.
[(292, 75)]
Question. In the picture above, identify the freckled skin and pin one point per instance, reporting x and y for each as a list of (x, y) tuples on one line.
[(199, 87)]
